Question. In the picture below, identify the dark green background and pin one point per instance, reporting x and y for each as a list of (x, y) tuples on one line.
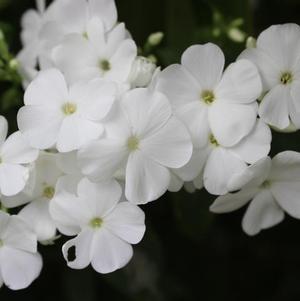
[(187, 253)]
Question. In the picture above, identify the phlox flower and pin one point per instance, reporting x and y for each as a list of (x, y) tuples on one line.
[(67, 117), (45, 28), (105, 227), (20, 264), (277, 57), (272, 185), (208, 100), (38, 195), (216, 163), (15, 153), (144, 139), (98, 54)]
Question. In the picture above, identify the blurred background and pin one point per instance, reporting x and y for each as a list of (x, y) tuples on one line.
[(187, 253)]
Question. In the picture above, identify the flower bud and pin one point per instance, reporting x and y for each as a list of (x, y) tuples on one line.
[(142, 72), (155, 38)]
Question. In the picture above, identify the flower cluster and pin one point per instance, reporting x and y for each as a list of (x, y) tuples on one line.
[(102, 131)]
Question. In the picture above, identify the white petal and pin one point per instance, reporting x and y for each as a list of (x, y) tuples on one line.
[(1, 281), (67, 162), (75, 58), (4, 220), (252, 177), (195, 116), (195, 166), (105, 10), (68, 183), (268, 68), (36, 214), (145, 179), (26, 195), (48, 89), (76, 132), (175, 183), (205, 63), (39, 125), (47, 170), (256, 145), (231, 202), (286, 167), (17, 150), (198, 181), (295, 92), (116, 36), (18, 235), (71, 14), (96, 98), (147, 112), (121, 61), (101, 159), (83, 244), (127, 221), (29, 21), (230, 123), (287, 196), (220, 166), (274, 107), (281, 42), (12, 178), (3, 129), (179, 86), (170, 146), (69, 213), (100, 198), (96, 34), (262, 213), (18, 268), (240, 83), (110, 253)]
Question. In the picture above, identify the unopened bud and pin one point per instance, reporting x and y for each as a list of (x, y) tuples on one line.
[(142, 72), (236, 35), (155, 38), (251, 43)]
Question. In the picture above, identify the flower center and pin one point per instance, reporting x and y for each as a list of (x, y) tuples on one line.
[(213, 141), (104, 65), (208, 96), (69, 108), (286, 78), (1, 243), (96, 223), (266, 185), (85, 35), (49, 192), (133, 143)]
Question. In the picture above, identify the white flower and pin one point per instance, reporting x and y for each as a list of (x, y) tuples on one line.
[(272, 185), (72, 16), (44, 29), (20, 264), (99, 54), (68, 117), (105, 227), (277, 57), (143, 137), (39, 35), (216, 164), (14, 153), (39, 195), (142, 72), (68, 163), (205, 100)]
